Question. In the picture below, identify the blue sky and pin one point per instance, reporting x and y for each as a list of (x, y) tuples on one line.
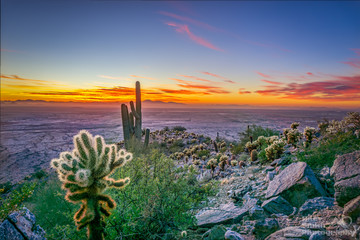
[(86, 45)]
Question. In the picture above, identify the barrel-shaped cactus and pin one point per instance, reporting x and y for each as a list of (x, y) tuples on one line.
[(85, 175)]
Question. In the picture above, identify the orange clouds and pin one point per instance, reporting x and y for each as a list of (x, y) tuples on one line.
[(340, 88), (271, 82)]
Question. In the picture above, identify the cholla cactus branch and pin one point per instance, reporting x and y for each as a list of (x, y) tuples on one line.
[(84, 173)]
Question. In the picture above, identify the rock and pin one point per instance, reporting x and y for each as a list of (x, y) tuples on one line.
[(312, 223), (239, 193), (291, 233), (317, 203), (352, 208), (256, 212), (215, 233), (224, 214), (277, 205), (265, 227), (9, 232), (232, 235), (318, 236), (325, 172), (269, 169), (270, 176), (296, 184), (280, 161), (346, 173), (24, 221)]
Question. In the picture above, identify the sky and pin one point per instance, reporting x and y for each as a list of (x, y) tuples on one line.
[(273, 53)]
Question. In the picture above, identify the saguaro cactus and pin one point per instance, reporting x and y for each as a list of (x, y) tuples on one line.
[(84, 173), (132, 122)]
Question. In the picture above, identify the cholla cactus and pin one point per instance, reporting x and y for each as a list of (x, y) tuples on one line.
[(309, 133), (212, 164), (254, 155), (234, 163), (251, 145), (294, 125), (293, 136), (84, 173), (222, 163), (274, 150)]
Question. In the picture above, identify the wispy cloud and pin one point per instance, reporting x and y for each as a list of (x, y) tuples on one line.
[(264, 75), (16, 77), (197, 78), (243, 91), (184, 29), (10, 50), (224, 79), (356, 50), (206, 88), (190, 20), (353, 62), (214, 75), (215, 29), (340, 88), (183, 91), (271, 82)]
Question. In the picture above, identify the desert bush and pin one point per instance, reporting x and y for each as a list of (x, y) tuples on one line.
[(15, 198), (179, 128), (237, 148), (159, 202), (256, 131), (203, 153), (325, 152)]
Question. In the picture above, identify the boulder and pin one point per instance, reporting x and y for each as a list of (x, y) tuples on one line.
[(296, 184), (318, 236), (317, 203), (224, 214), (280, 161), (291, 233), (23, 221), (232, 235), (352, 208), (9, 232), (277, 205), (256, 212), (346, 173), (265, 227), (215, 233)]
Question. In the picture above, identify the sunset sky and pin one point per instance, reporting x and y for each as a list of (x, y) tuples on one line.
[(296, 53)]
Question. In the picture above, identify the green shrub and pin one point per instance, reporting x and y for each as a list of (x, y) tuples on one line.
[(53, 212), (158, 202), (325, 152), (256, 131), (15, 198), (179, 128), (237, 148), (203, 153)]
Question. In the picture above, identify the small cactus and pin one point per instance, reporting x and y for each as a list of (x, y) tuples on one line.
[(309, 133), (254, 155), (84, 173), (234, 163)]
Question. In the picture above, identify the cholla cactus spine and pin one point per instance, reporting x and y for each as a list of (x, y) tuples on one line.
[(84, 173)]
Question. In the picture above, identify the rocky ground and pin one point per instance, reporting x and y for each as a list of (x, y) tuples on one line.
[(282, 200)]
